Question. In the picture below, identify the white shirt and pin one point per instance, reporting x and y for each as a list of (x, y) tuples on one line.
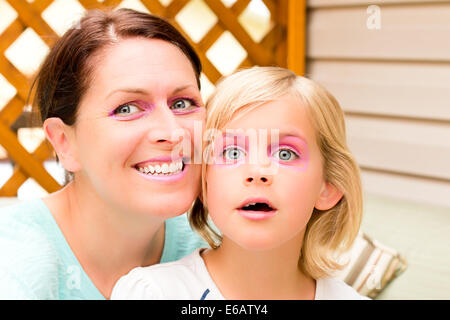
[(189, 279)]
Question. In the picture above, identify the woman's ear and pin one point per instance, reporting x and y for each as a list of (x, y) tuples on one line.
[(60, 136), (328, 197)]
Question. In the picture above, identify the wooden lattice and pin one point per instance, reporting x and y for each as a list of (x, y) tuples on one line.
[(283, 45)]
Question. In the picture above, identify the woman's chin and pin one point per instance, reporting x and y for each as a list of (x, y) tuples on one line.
[(167, 205)]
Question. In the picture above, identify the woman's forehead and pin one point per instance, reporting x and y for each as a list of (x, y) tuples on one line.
[(137, 62)]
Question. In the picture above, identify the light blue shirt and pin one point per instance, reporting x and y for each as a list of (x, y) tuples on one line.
[(36, 261)]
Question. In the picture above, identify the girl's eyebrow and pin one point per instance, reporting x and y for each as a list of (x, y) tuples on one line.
[(282, 134), (235, 136), (228, 134), (293, 132), (294, 136)]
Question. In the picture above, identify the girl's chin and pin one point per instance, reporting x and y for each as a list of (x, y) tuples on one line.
[(257, 243)]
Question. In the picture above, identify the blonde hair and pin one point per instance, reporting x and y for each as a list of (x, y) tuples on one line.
[(328, 232)]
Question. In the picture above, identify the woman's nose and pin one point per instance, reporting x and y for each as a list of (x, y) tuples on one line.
[(166, 130)]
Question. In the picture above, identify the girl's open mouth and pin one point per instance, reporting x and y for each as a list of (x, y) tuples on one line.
[(257, 206), (257, 209)]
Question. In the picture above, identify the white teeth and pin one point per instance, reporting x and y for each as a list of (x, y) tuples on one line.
[(251, 204), (164, 169)]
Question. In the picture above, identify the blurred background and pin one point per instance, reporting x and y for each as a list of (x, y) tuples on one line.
[(387, 63)]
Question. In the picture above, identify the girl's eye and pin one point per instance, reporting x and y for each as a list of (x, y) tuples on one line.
[(286, 155), (126, 110), (233, 153), (182, 105)]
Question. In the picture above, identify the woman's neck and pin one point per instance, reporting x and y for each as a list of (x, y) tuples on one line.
[(241, 273), (107, 243)]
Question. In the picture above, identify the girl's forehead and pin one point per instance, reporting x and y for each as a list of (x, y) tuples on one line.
[(287, 115)]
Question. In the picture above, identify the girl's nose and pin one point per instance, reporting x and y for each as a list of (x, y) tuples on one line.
[(258, 178)]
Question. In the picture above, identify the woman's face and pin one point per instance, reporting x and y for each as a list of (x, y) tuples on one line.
[(135, 127)]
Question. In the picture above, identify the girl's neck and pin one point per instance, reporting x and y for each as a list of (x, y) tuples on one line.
[(106, 242), (241, 273)]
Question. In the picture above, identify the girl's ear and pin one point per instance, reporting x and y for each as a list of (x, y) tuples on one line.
[(328, 197), (60, 136)]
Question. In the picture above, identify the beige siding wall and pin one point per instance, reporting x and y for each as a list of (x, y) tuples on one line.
[(394, 85)]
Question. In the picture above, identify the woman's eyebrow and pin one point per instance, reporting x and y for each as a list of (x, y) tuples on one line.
[(145, 92), (181, 88), (129, 90)]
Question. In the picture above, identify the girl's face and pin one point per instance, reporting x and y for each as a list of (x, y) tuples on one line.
[(261, 192), (135, 128)]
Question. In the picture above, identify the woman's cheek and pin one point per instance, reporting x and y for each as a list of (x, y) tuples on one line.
[(192, 138)]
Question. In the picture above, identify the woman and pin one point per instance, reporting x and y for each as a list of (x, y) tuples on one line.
[(119, 99)]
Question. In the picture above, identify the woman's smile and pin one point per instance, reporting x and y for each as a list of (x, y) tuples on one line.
[(163, 169)]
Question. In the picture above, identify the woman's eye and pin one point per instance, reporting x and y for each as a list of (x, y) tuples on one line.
[(182, 105), (126, 109), (233, 153), (286, 155)]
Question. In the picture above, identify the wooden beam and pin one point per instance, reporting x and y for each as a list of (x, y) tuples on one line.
[(32, 17), (256, 53), (217, 30), (10, 112), (10, 34), (155, 7), (9, 189), (296, 35), (15, 78), (208, 67), (28, 163), (174, 7)]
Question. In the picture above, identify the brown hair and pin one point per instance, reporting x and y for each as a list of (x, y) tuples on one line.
[(65, 74)]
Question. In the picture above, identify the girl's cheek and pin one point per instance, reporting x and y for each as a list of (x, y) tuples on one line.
[(296, 165), (228, 166)]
